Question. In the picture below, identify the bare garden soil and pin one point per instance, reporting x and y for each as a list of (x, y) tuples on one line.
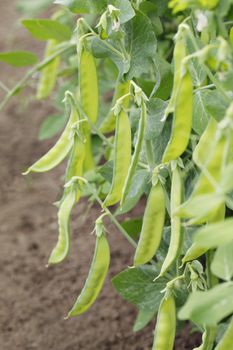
[(34, 299)]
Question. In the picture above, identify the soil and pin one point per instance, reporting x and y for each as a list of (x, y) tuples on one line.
[(34, 299)]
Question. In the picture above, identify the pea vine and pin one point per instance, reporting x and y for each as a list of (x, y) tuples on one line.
[(144, 94)]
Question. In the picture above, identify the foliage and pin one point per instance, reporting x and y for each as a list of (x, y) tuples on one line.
[(166, 133)]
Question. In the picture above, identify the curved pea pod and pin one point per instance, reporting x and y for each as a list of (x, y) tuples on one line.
[(89, 93), (226, 343), (61, 249), (95, 279), (48, 75), (109, 123), (122, 158), (165, 330), (76, 160), (213, 171), (205, 145), (152, 227), (136, 155), (208, 339), (176, 230), (182, 122), (59, 151)]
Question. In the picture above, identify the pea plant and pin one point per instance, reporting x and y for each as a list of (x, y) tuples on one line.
[(144, 93)]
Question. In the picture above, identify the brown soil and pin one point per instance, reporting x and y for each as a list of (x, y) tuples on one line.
[(34, 299)]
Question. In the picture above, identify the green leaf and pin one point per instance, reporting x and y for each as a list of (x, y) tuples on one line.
[(106, 171), (141, 45), (136, 191), (208, 308), (18, 58), (215, 104), (155, 121), (215, 235), (133, 227), (200, 114), (222, 264), (45, 29), (51, 126), (127, 11), (83, 6), (143, 318), (226, 183), (136, 285)]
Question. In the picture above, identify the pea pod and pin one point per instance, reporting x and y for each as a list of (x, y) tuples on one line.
[(166, 324), (95, 279), (179, 55), (61, 249), (48, 75), (205, 145), (122, 157), (176, 230), (89, 93), (109, 123), (152, 227), (59, 151), (208, 339), (182, 122), (76, 160), (226, 342), (135, 158)]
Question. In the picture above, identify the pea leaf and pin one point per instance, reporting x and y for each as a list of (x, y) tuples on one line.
[(200, 113), (51, 126), (155, 122), (136, 191), (227, 180), (45, 29), (214, 235), (222, 264), (215, 105), (141, 45), (18, 58), (133, 227), (210, 307), (143, 318), (136, 285), (127, 11)]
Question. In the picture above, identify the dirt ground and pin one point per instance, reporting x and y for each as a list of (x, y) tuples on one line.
[(34, 299)]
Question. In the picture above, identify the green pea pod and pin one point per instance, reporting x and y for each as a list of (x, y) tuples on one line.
[(182, 122), (95, 279), (208, 339), (176, 230), (48, 75), (59, 151), (179, 55), (205, 145), (211, 174), (166, 325), (135, 158), (76, 160), (152, 227), (61, 250), (89, 93), (122, 158), (109, 123), (226, 343)]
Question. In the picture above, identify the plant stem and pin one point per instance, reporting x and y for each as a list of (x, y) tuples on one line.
[(31, 72)]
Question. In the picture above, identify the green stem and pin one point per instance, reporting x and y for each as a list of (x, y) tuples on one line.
[(31, 72)]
